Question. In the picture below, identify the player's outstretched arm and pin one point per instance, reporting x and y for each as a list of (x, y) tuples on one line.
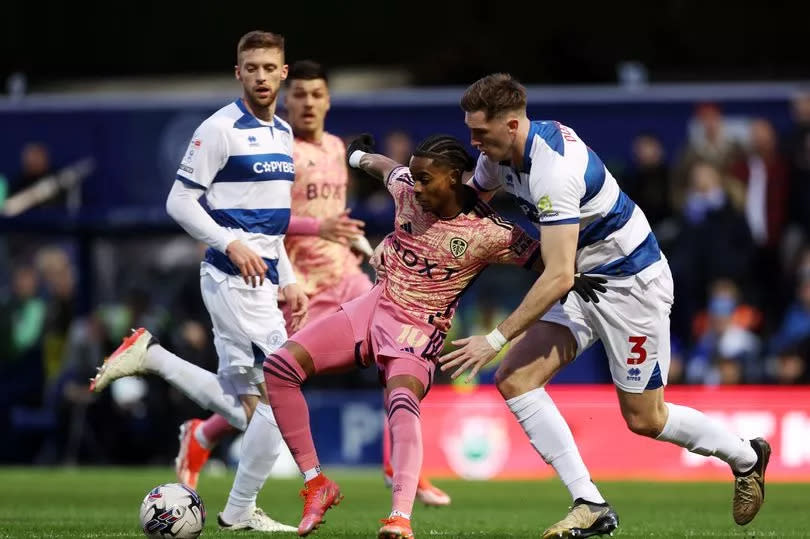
[(360, 154), (339, 228), (558, 246)]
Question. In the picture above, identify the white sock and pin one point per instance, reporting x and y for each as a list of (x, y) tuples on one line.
[(552, 438), (399, 514), (705, 436), (261, 446), (196, 383), (312, 473)]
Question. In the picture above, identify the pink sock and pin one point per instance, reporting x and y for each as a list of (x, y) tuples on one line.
[(215, 428), (406, 452), (284, 376), (386, 442)]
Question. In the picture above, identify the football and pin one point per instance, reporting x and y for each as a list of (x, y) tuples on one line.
[(172, 510)]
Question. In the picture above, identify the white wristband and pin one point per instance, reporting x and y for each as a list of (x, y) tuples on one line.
[(355, 157), (361, 244), (496, 339)]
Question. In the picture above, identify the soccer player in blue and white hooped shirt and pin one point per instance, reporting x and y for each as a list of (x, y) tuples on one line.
[(586, 224), (232, 191)]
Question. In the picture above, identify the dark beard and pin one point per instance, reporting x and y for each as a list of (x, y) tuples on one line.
[(256, 106)]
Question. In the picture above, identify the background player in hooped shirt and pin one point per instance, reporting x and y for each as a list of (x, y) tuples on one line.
[(328, 271), (444, 236), (586, 224), (232, 191)]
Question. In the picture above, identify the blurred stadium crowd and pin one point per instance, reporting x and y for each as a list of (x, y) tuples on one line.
[(730, 208)]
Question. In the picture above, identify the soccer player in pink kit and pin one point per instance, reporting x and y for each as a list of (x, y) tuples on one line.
[(444, 236), (321, 238)]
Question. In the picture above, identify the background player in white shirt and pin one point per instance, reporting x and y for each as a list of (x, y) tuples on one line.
[(586, 225), (232, 191)]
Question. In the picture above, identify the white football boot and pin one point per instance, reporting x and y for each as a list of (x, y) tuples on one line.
[(127, 360), (257, 520)]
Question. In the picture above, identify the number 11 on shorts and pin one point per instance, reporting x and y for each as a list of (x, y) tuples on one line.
[(637, 349)]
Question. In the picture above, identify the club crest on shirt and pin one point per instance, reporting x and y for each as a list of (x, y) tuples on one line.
[(458, 247), (545, 207)]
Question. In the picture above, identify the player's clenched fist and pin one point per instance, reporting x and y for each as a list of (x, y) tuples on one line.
[(361, 145), (251, 266)]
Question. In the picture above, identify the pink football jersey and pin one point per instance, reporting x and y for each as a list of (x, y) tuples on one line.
[(319, 191), (431, 261)]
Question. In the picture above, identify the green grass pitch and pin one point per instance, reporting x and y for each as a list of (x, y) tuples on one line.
[(104, 502)]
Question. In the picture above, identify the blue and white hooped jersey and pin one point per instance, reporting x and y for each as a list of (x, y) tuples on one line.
[(562, 181), (244, 167)]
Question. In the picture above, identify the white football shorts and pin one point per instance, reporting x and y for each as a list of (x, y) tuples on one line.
[(633, 324), (248, 326)]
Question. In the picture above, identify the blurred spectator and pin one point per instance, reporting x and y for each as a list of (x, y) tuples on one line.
[(713, 243), (790, 365), (795, 325), (708, 192), (648, 182), (398, 145), (22, 317), (709, 143), (726, 353), (744, 316), (764, 174), (35, 164), (21, 379), (799, 156), (57, 273)]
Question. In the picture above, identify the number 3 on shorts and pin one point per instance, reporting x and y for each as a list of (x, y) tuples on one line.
[(638, 349)]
